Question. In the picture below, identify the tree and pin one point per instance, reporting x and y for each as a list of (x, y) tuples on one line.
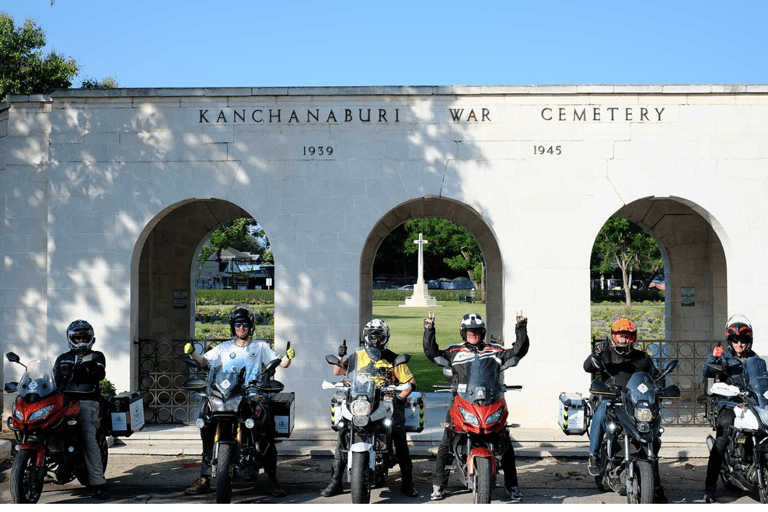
[(625, 245), (241, 234), (23, 67)]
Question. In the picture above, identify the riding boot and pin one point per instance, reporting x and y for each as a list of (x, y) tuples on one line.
[(658, 492), (335, 487), (406, 486)]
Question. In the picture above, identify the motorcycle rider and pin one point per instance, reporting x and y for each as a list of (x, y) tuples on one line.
[(80, 370), (621, 360), (257, 353), (376, 337), (739, 335), (472, 330)]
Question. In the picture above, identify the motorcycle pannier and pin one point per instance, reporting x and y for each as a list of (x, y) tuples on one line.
[(336, 405), (414, 412), (284, 413), (126, 411), (573, 414)]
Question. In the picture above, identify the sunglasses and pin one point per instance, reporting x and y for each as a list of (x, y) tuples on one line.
[(243, 324)]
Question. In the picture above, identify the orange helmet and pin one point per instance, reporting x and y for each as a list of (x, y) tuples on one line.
[(627, 328)]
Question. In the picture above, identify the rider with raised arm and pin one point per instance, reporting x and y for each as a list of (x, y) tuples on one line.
[(739, 335), (473, 331), (383, 370), (252, 353)]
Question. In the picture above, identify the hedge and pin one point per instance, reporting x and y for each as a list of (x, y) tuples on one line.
[(232, 297)]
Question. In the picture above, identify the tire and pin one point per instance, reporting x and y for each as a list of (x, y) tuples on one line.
[(26, 487), (644, 483), (764, 492), (358, 479), (482, 480), (601, 483), (224, 470)]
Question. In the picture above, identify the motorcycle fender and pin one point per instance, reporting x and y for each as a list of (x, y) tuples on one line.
[(362, 447), (39, 448), (480, 453)]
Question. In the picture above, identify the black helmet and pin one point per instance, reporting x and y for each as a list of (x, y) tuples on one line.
[(376, 334), (472, 321), (241, 313), (738, 328), (80, 336)]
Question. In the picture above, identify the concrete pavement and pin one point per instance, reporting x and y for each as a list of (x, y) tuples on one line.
[(678, 442)]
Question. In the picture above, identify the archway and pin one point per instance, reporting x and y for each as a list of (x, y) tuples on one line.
[(454, 211), (163, 299), (695, 306)]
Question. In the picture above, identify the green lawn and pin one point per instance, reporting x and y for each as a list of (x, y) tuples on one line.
[(406, 327)]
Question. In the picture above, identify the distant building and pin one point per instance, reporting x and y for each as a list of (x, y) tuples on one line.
[(235, 269)]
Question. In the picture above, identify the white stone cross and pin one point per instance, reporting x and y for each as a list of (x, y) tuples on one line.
[(421, 242)]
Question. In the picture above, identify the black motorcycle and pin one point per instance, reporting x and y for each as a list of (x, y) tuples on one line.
[(237, 407), (627, 455), (365, 426), (745, 462)]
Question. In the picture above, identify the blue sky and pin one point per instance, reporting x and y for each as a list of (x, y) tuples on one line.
[(245, 43)]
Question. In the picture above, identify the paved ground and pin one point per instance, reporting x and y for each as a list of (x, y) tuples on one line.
[(162, 479)]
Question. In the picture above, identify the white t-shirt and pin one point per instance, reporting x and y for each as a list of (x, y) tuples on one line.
[(255, 355)]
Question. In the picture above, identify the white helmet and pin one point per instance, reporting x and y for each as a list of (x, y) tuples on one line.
[(472, 321), (376, 334)]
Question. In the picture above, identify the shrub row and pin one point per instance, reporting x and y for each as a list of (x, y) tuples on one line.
[(232, 297)]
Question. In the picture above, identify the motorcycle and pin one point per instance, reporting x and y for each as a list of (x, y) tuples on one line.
[(237, 408), (745, 461), (44, 421), (478, 420), (627, 454), (365, 426)]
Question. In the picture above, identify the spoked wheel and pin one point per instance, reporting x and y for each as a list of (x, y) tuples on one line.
[(644, 483), (224, 471), (26, 483), (360, 486), (482, 480)]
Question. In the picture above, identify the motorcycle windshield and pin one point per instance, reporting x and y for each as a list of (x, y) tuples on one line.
[(361, 384), (477, 376), (38, 379), (226, 380), (757, 375), (641, 387)]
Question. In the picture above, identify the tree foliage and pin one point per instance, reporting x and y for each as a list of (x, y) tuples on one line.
[(24, 69), (242, 234), (625, 245)]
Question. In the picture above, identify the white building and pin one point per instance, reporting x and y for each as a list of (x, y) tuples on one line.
[(107, 195)]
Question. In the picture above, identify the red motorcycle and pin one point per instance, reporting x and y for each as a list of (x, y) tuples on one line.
[(44, 421), (478, 420)]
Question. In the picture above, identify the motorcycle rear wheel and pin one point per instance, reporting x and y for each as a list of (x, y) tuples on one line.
[(224, 470), (359, 481), (481, 492), (26, 486), (644, 485)]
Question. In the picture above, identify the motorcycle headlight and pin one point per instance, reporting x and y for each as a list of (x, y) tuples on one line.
[(469, 417), (217, 404), (493, 418), (360, 407), (643, 414), (40, 414), (17, 414)]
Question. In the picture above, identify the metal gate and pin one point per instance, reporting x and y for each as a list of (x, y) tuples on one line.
[(162, 372), (693, 406)]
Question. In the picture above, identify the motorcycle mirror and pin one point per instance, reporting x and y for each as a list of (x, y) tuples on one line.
[(11, 387), (598, 363), (192, 363), (12, 357), (669, 366), (441, 361), (331, 359), (402, 359)]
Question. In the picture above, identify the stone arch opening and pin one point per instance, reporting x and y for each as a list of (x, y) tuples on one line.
[(163, 291), (695, 306), (456, 212)]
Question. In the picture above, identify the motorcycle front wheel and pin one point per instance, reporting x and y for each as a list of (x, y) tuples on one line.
[(481, 491), (26, 484), (360, 486), (644, 483), (224, 471)]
